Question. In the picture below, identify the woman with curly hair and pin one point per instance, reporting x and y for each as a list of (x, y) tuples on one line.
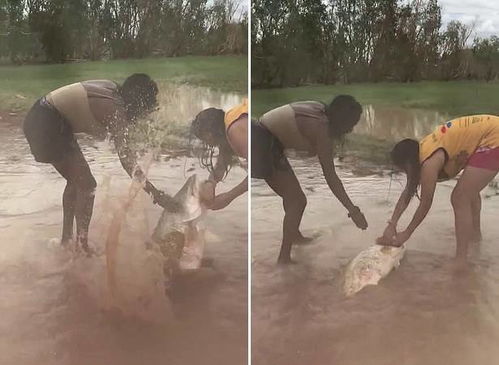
[(226, 132)]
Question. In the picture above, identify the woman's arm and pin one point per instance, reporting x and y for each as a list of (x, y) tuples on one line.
[(237, 136), (129, 163), (325, 154), (222, 200), (429, 176)]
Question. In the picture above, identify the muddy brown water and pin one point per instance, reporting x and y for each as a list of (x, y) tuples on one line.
[(395, 123), (55, 306), (422, 313)]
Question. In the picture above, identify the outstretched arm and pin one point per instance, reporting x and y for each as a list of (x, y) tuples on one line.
[(222, 200), (325, 154), (429, 176), (129, 162), (403, 202)]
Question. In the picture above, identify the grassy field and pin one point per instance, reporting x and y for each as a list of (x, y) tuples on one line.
[(21, 85), (454, 97)]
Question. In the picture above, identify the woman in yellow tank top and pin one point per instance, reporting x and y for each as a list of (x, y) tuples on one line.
[(227, 132), (470, 143)]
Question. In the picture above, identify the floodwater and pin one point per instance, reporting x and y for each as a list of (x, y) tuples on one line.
[(56, 308), (423, 313), (391, 123)]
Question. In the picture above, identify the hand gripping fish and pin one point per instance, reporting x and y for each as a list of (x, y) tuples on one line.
[(370, 266), (180, 235)]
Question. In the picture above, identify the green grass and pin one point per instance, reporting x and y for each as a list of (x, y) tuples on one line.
[(21, 85), (454, 97)]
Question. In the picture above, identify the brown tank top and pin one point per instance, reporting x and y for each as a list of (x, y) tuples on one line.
[(283, 122), (89, 106)]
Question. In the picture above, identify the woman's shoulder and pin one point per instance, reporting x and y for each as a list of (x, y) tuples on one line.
[(101, 83), (309, 104)]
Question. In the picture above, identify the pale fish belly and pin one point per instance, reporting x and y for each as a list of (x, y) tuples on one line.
[(370, 266), (180, 236)]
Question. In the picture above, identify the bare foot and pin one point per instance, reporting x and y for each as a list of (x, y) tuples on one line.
[(461, 265), (282, 260), (302, 240), (66, 242), (88, 250), (207, 262), (476, 237)]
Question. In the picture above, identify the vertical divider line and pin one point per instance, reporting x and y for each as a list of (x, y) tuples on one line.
[(249, 181)]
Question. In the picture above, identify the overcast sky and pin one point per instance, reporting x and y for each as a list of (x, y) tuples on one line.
[(483, 13)]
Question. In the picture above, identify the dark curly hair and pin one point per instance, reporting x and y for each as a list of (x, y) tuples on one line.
[(139, 93), (405, 155), (343, 114), (210, 122)]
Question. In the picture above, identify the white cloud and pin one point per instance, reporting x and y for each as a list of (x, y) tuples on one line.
[(482, 14)]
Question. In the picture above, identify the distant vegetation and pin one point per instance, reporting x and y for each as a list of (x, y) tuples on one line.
[(58, 31), (344, 41)]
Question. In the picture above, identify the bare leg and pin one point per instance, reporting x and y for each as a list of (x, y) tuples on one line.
[(68, 205), (463, 199), (286, 185), (83, 214), (78, 198), (476, 206)]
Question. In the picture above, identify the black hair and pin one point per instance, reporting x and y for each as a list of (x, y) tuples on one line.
[(343, 113), (139, 93), (405, 155), (211, 121)]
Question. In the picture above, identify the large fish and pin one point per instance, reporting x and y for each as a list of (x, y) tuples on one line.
[(180, 235), (370, 266)]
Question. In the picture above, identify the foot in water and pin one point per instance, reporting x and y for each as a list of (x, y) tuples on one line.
[(282, 260), (88, 250), (66, 242), (302, 240), (207, 262), (460, 266), (477, 237)]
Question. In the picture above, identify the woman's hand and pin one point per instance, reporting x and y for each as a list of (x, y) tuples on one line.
[(388, 235), (221, 201), (358, 218), (401, 238), (396, 241)]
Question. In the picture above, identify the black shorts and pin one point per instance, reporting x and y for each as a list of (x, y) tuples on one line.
[(267, 153), (49, 135)]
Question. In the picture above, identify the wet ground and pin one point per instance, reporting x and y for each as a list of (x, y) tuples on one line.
[(55, 303), (422, 313)]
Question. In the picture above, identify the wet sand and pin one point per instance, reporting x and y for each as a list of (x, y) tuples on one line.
[(423, 313), (54, 304)]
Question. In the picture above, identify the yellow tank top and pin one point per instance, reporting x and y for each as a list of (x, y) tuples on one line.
[(233, 114), (460, 138)]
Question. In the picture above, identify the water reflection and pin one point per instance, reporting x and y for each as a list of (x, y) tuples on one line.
[(392, 123), (181, 103)]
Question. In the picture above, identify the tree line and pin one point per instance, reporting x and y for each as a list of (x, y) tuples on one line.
[(296, 42), (65, 30)]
